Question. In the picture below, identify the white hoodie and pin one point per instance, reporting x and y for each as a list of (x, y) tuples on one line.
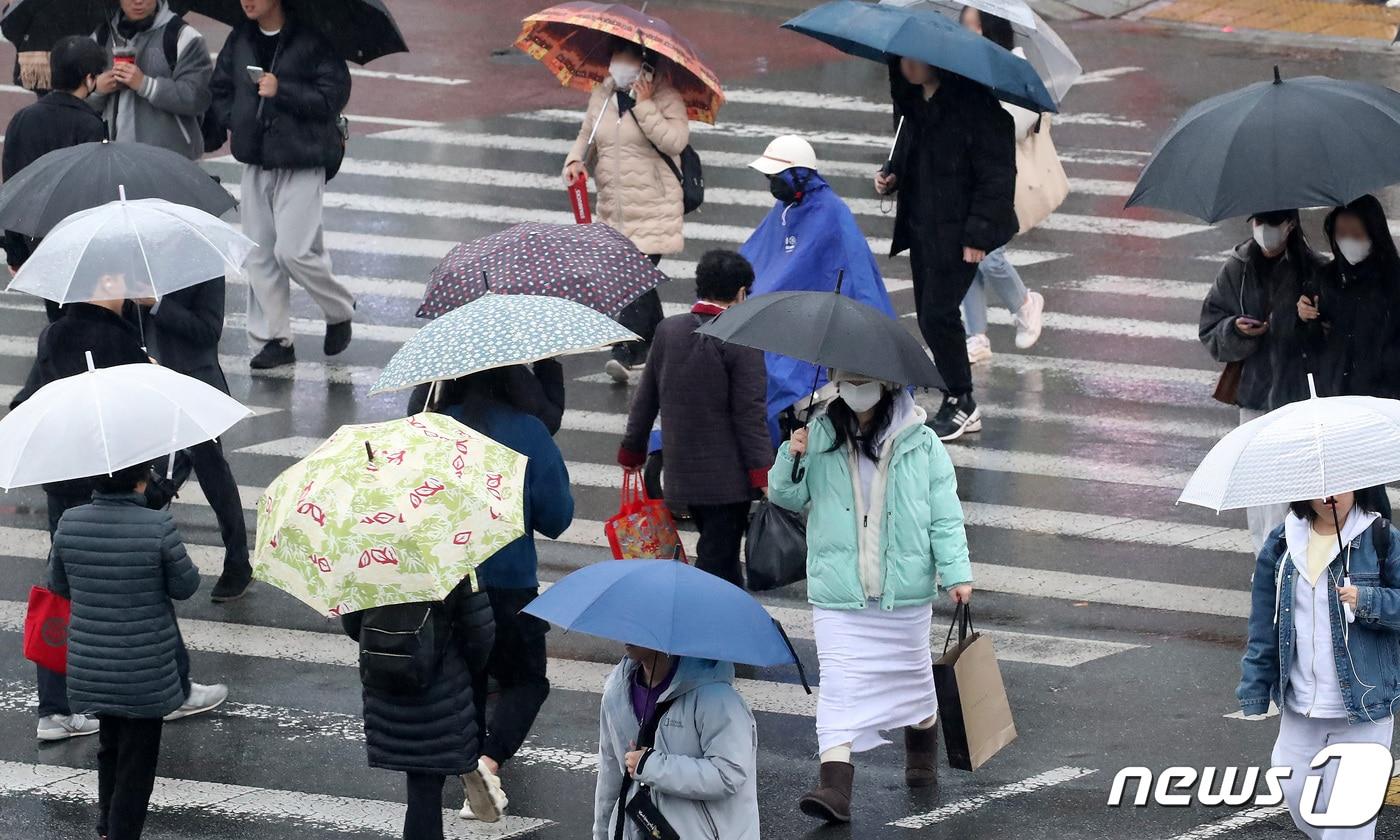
[(1313, 687), (870, 479)]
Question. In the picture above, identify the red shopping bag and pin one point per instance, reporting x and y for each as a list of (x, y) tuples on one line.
[(46, 630), (578, 199), (643, 528)]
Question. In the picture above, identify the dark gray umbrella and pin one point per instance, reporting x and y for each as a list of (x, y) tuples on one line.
[(830, 330), (88, 175), (1279, 145), (38, 24)]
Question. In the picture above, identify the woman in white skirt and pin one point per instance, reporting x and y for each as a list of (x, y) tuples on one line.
[(1322, 646), (884, 536)]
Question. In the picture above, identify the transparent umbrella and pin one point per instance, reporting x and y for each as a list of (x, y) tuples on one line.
[(133, 250), (107, 419), (1045, 50)]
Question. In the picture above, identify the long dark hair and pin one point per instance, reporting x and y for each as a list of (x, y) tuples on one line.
[(846, 426), (1383, 252), (1368, 500), (473, 392)]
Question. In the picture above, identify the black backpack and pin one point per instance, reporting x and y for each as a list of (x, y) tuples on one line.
[(401, 646), (211, 127), (690, 173)]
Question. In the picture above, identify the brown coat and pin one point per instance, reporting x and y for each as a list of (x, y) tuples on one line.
[(637, 192)]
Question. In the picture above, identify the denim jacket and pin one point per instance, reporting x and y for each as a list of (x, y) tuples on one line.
[(1366, 653)]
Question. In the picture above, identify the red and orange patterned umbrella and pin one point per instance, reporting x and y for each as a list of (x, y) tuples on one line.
[(572, 40)]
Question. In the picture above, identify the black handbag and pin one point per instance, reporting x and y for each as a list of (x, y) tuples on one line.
[(775, 550), (690, 173)]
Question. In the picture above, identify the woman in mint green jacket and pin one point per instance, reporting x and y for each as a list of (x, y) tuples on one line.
[(884, 536)]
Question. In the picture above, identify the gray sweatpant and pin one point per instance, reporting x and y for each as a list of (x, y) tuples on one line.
[(281, 211)]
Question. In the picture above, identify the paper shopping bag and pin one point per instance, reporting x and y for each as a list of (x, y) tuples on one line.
[(643, 528), (971, 698), (46, 630)]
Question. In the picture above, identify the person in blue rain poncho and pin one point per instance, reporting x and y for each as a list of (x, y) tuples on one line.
[(808, 239)]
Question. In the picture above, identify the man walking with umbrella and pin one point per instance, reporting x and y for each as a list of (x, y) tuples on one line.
[(954, 169), (58, 120), (284, 129)]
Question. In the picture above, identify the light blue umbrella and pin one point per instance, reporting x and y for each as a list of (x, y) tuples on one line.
[(495, 331), (668, 606)]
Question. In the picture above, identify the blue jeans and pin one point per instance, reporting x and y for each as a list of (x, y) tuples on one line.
[(996, 271)]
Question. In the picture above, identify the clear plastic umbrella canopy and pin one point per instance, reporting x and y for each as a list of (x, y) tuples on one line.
[(1045, 50), (131, 249), (1309, 449), (107, 419)]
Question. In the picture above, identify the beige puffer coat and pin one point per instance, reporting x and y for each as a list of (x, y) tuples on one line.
[(637, 192)]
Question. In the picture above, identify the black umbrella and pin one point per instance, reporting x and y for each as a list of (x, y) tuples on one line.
[(38, 24), (1279, 145), (829, 330), (81, 177), (360, 30)]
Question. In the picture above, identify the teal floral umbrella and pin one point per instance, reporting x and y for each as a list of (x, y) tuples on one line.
[(498, 330)]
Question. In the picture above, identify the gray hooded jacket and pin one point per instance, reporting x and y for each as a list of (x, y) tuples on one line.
[(702, 772), (166, 109)]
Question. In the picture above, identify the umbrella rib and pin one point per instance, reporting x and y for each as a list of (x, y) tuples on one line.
[(141, 247), (101, 424), (96, 229)]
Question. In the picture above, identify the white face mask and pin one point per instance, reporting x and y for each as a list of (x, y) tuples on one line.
[(624, 73), (1354, 251), (860, 397), (1271, 237)]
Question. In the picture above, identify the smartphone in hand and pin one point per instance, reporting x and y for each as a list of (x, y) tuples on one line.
[(255, 73)]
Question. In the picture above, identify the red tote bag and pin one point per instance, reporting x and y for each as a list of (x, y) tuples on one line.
[(46, 630), (643, 528)]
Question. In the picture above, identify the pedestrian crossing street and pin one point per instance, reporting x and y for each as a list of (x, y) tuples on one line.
[(1069, 492)]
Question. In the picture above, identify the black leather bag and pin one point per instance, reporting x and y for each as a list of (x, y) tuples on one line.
[(775, 550)]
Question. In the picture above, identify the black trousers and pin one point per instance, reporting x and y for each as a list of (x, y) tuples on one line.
[(209, 465), (641, 317), (722, 530), (127, 751), (422, 820), (939, 287), (518, 664)]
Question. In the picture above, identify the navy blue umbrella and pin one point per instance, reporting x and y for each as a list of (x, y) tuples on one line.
[(1279, 145), (668, 606), (883, 32)]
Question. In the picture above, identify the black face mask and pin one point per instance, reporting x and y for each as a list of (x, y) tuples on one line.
[(782, 190)]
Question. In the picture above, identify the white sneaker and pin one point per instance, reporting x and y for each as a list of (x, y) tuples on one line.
[(202, 699), (1028, 320), (486, 801), (63, 727), (979, 349)]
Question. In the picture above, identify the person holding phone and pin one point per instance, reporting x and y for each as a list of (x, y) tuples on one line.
[(634, 118), (280, 88), (1254, 292)]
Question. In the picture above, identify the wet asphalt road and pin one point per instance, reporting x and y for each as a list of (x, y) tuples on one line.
[(1118, 615)]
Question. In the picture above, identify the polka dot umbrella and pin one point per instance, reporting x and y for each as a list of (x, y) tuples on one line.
[(594, 265)]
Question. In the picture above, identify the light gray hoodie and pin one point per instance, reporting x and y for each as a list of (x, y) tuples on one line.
[(702, 772), (165, 111)]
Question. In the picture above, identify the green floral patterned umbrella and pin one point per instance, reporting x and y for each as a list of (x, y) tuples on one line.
[(389, 513), (498, 330)]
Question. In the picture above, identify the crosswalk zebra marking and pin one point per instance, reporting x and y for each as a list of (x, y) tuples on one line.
[(1049, 778)]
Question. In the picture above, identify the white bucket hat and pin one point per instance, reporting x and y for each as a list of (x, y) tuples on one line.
[(784, 153)]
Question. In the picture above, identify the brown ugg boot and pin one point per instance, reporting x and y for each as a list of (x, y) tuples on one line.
[(830, 800), (921, 756)]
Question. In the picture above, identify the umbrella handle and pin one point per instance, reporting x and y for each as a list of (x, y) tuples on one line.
[(796, 468)]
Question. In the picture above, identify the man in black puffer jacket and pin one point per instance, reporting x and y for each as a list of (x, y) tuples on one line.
[(285, 129), (121, 564), (433, 734)]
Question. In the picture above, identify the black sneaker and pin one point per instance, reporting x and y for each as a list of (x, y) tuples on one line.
[(337, 337), (231, 586), (957, 416), (274, 354)]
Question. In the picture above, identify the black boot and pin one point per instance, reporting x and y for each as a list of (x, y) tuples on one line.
[(921, 756), (830, 800)]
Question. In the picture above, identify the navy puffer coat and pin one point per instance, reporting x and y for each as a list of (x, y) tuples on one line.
[(120, 564), (435, 731)]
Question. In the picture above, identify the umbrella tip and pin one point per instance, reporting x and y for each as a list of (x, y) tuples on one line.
[(1278, 79), (369, 450), (121, 192), (87, 354), (1312, 387)]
